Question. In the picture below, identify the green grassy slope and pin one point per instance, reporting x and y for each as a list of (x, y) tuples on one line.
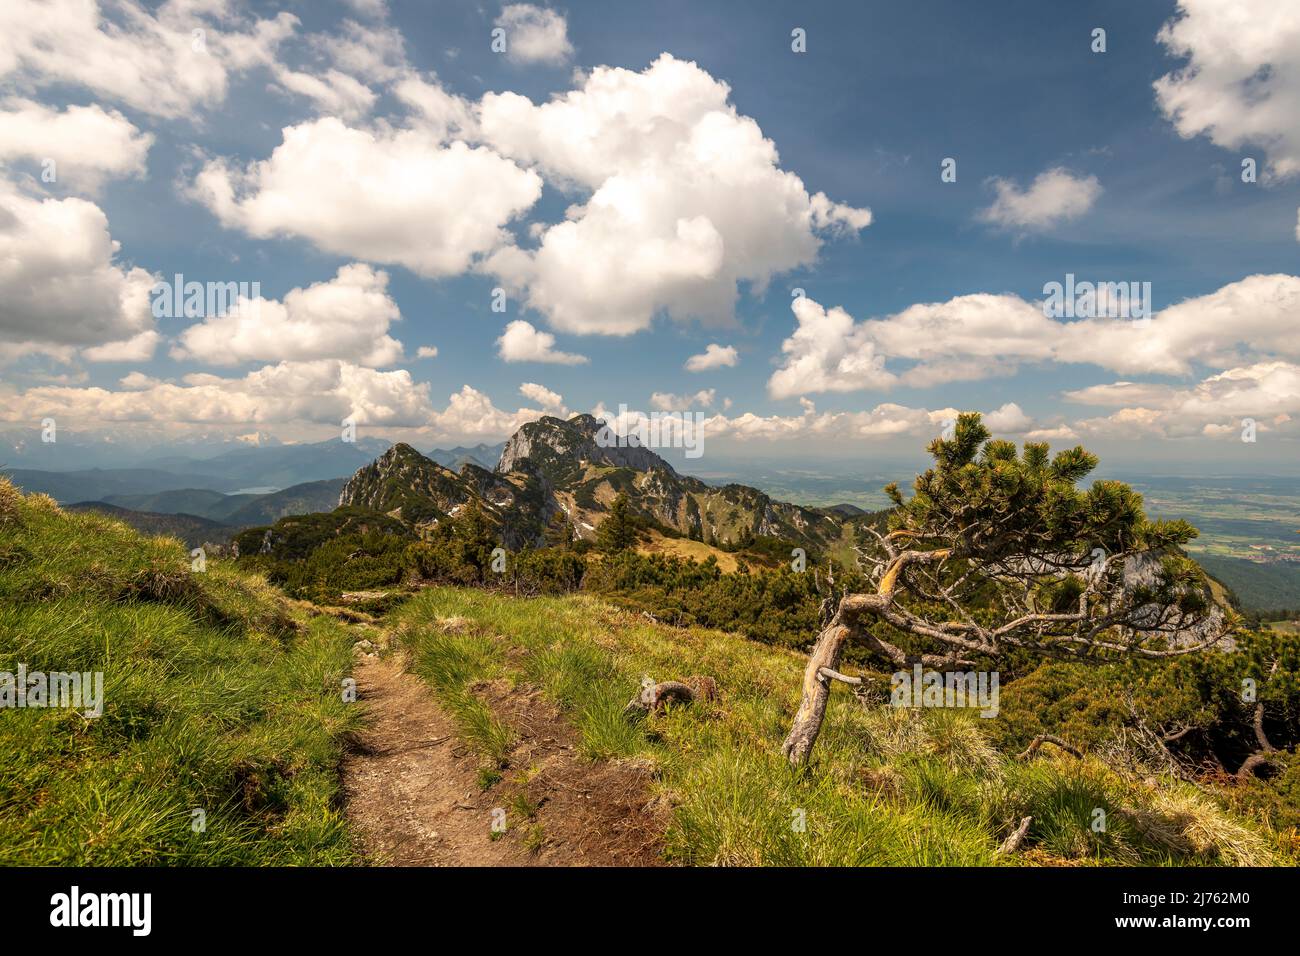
[(1260, 587), (218, 696), (889, 786)]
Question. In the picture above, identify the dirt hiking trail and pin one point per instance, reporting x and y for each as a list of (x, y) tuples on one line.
[(414, 797)]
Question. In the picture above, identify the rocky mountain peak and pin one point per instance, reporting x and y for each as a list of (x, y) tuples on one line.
[(396, 477), (559, 448)]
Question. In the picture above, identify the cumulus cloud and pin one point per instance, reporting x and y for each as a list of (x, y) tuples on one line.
[(375, 53), (828, 352), (61, 287), (668, 402), (885, 421), (681, 199), (977, 336), (388, 196), (1241, 82), (1120, 394), (333, 92), (427, 352), (1267, 393), (522, 342), (323, 392), (1010, 419), (150, 60), (471, 415), (713, 356), (443, 114), (684, 200), (346, 318), (370, 8), (35, 132), (542, 395), (1055, 196), (534, 34)]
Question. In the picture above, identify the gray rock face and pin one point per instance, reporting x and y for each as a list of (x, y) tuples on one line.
[(582, 438)]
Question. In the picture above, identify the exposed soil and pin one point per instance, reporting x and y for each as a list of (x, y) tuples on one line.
[(414, 796)]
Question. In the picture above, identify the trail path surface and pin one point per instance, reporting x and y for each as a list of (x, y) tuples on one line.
[(414, 797), (412, 791)]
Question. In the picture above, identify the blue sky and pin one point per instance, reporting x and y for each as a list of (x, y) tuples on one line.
[(1150, 190)]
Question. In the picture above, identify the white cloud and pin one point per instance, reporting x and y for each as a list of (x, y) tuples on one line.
[(977, 336), (390, 196), (443, 114), (684, 200), (471, 415), (534, 34), (1009, 419), (427, 352), (36, 132), (370, 8), (1241, 82), (882, 422), (323, 392), (61, 288), (1268, 393), (134, 380), (138, 348), (1119, 394), (333, 92), (522, 342), (667, 402), (372, 53), (346, 318), (827, 353), (1055, 196), (151, 61), (713, 356), (541, 395)]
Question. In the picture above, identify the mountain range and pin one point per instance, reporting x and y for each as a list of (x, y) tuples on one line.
[(552, 466)]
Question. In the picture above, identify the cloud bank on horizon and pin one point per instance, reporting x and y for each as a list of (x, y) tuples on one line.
[(629, 230)]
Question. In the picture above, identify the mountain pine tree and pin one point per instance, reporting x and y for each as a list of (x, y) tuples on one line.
[(999, 552), (618, 532)]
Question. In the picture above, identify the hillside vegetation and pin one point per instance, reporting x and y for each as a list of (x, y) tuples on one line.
[(223, 696), (219, 697), (891, 786)]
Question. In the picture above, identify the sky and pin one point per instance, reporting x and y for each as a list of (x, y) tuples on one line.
[(824, 227)]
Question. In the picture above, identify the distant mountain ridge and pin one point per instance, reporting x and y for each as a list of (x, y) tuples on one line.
[(192, 529), (552, 466), (199, 516)]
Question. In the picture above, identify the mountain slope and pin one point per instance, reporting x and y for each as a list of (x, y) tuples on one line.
[(482, 454), (192, 529), (551, 466), (217, 695), (93, 484), (583, 476), (893, 786), (195, 501), (306, 498)]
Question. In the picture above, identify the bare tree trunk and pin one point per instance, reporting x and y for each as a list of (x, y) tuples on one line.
[(1013, 842), (830, 644), (1261, 756), (816, 691)]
